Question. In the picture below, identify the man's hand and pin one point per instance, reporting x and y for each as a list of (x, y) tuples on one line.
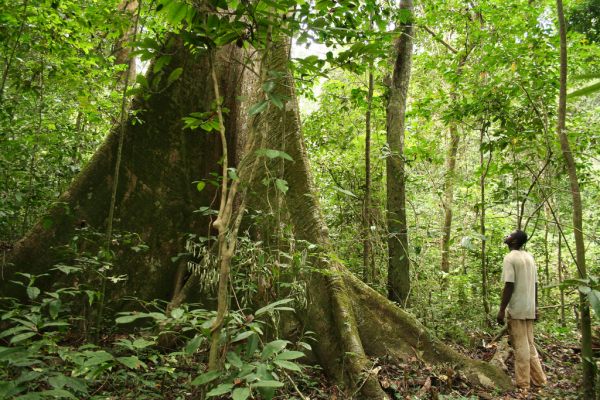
[(500, 317)]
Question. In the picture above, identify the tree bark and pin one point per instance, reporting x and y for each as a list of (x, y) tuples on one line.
[(450, 175), (587, 354), (369, 268), (398, 262), (449, 195), (484, 171), (155, 198), (121, 50)]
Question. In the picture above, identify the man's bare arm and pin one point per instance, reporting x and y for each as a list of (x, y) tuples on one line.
[(537, 313), (509, 287)]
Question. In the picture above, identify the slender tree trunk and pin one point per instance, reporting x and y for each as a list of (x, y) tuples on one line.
[(589, 378), (450, 176), (484, 169), (546, 259), (398, 261), (367, 220), (563, 320), (449, 194), (12, 54)]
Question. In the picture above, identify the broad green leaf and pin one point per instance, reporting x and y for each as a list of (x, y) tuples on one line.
[(251, 345), (221, 389), (177, 13), (141, 79), (177, 313), (193, 345), (47, 223), (288, 365), (164, 60), (213, 21), (133, 92), (276, 101), (201, 186), (242, 336), (264, 375), (272, 348), (585, 91), (271, 306), (586, 76), (130, 318), (282, 185), (6, 352), (207, 377), (258, 108), (22, 337), (344, 191), (29, 376), (268, 86), (233, 175), (274, 154), (77, 384), (54, 308), (132, 362), (585, 289), (57, 394), (240, 394), (235, 360), (174, 75), (594, 298), (276, 74), (164, 5), (33, 292), (14, 330), (269, 384), (289, 355)]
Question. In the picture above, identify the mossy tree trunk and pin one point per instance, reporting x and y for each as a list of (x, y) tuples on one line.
[(155, 197)]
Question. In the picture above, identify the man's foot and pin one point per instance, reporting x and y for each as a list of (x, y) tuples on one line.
[(536, 388)]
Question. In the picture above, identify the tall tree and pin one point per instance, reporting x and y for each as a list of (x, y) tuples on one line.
[(351, 321), (398, 263), (589, 376), (368, 259)]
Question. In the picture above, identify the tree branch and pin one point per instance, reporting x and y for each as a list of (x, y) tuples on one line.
[(436, 37)]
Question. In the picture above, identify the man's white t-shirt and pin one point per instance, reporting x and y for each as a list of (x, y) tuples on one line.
[(519, 267)]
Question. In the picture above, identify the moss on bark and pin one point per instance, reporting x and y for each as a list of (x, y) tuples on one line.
[(155, 197)]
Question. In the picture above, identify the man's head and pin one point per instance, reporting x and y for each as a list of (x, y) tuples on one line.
[(516, 239)]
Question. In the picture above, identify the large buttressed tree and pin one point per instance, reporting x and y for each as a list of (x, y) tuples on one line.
[(157, 201), (155, 197)]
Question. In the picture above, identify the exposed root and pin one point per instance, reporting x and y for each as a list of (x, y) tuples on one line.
[(386, 329)]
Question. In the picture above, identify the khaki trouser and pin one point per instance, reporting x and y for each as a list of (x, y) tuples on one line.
[(527, 362)]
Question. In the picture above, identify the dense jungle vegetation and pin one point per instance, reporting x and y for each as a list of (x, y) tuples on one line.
[(294, 199)]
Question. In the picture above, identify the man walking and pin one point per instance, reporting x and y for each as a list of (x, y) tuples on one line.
[(519, 303)]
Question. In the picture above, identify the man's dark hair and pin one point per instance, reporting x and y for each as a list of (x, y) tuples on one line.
[(520, 237)]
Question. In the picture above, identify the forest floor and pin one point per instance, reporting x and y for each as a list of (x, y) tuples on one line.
[(400, 379)]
